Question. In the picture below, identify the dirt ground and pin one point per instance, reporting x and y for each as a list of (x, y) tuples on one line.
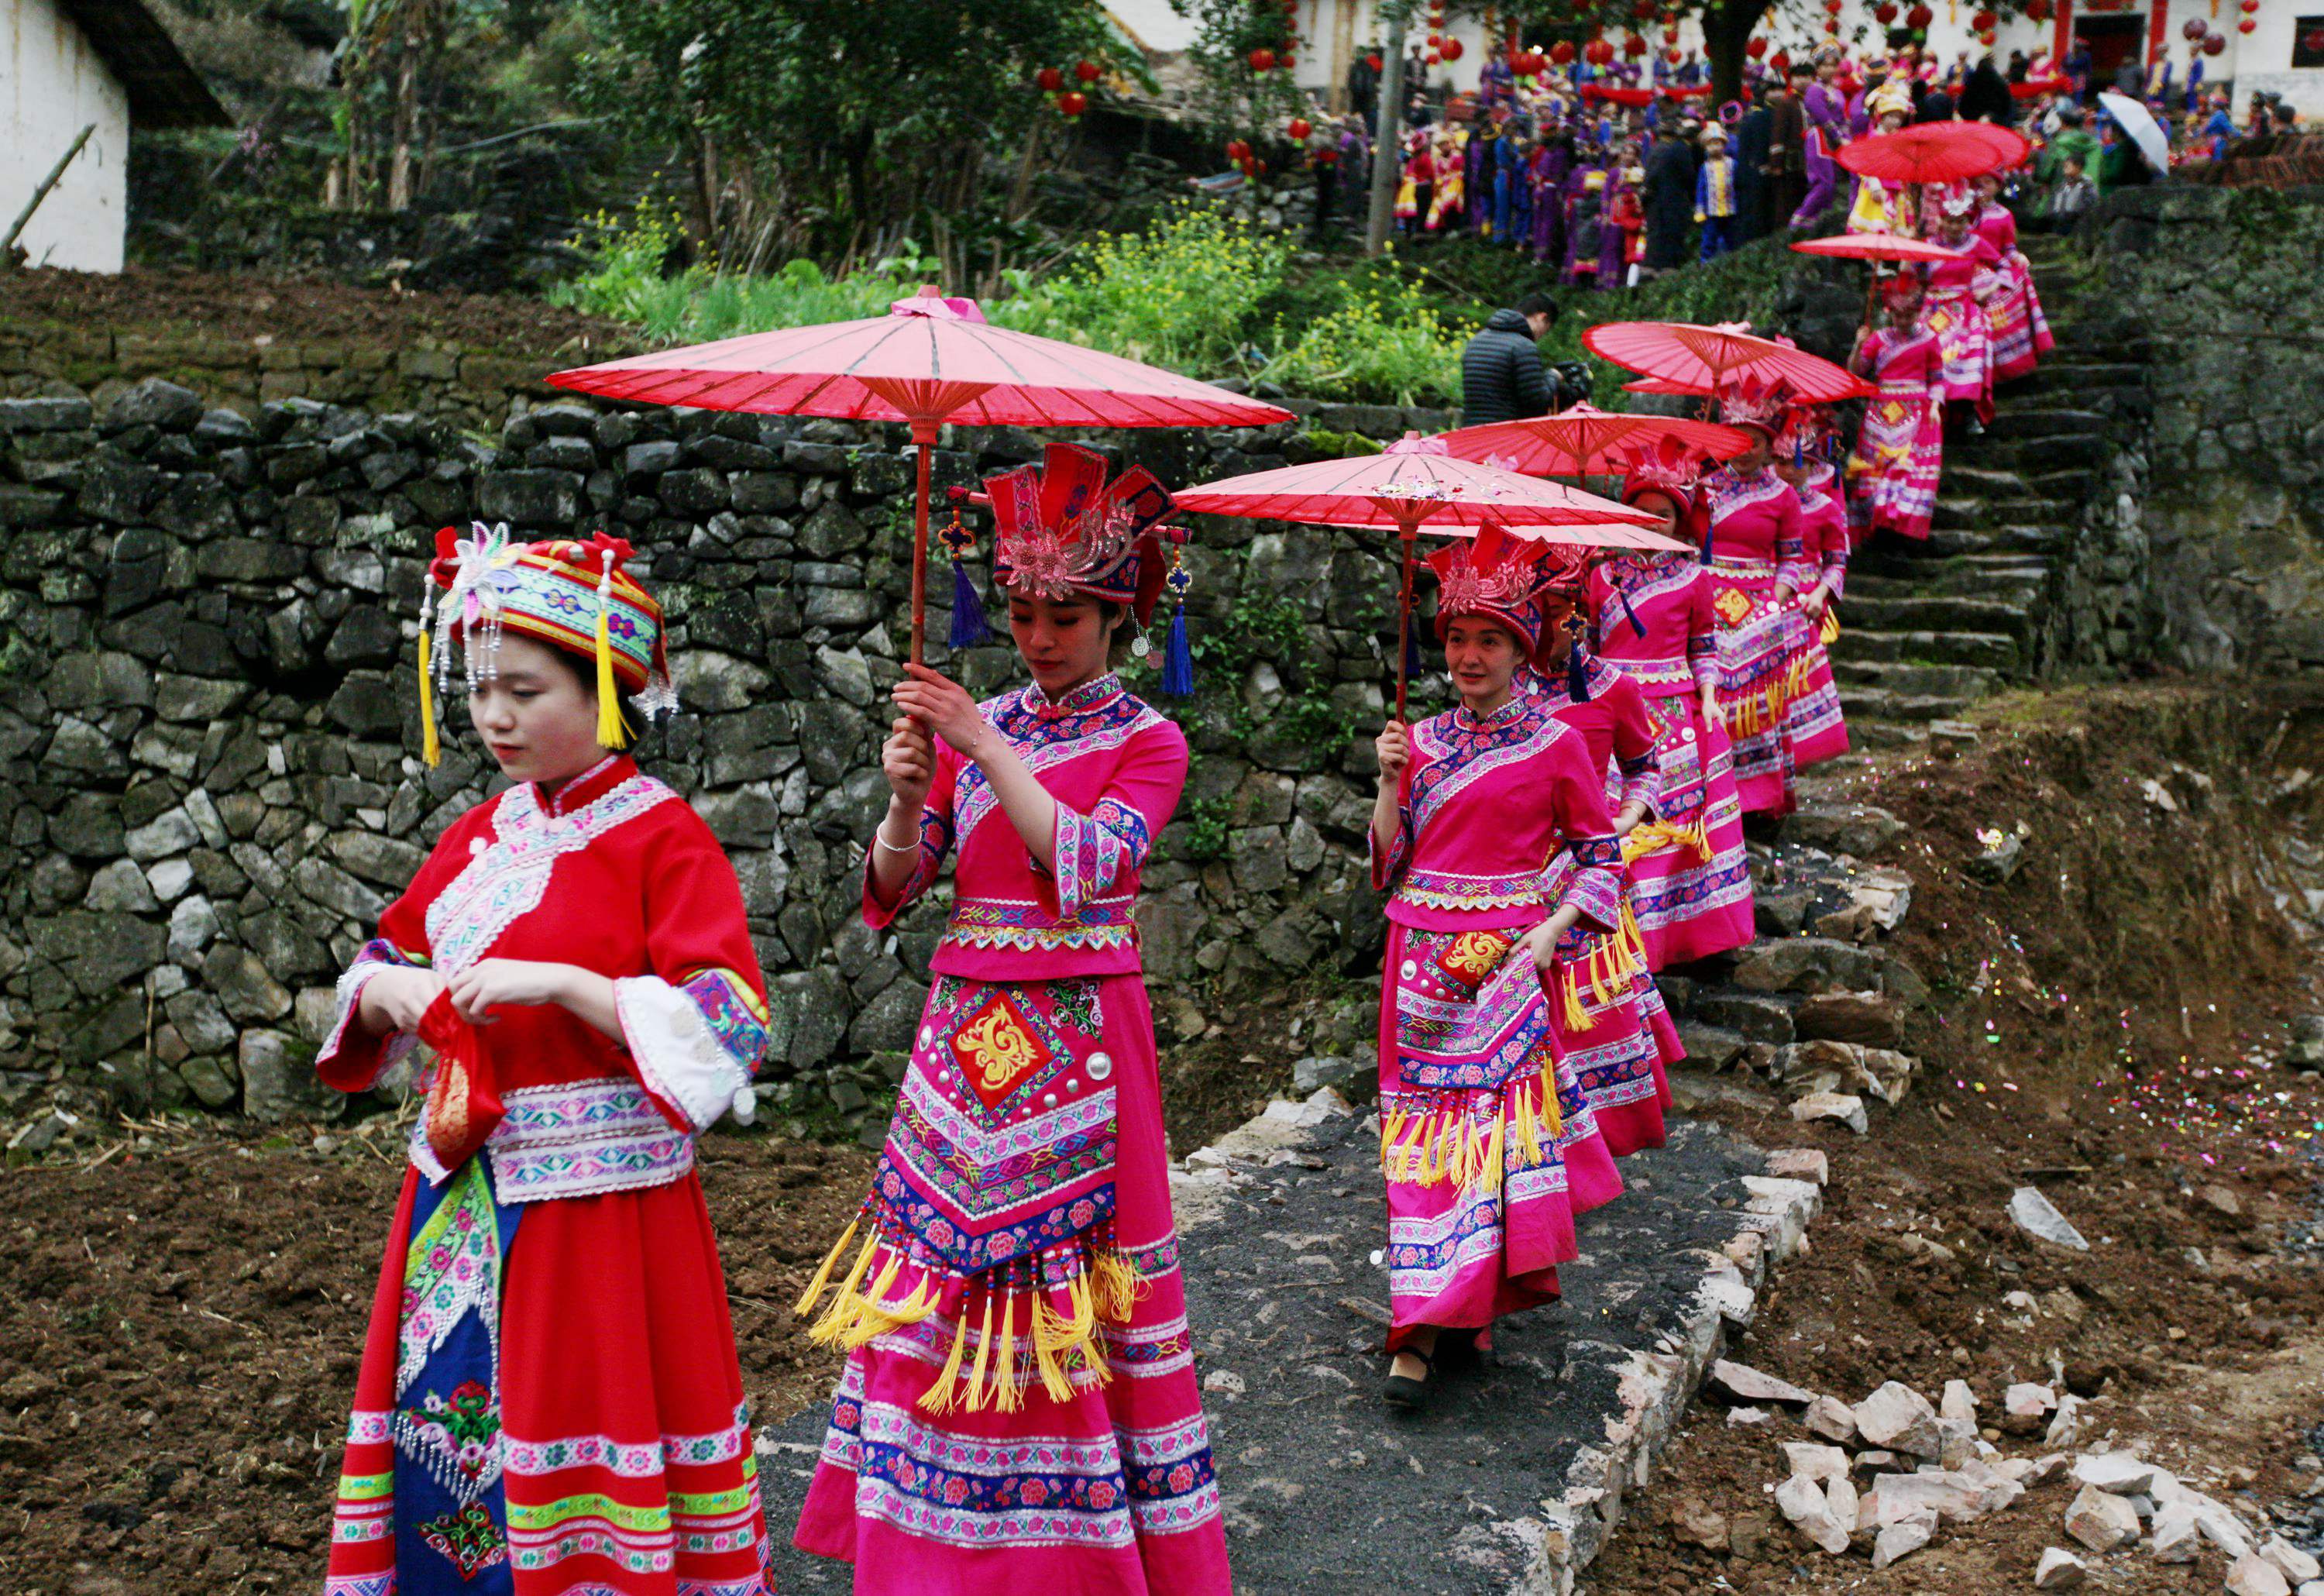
[(181, 1311), (179, 1328), (298, 311), (2112, 1020)]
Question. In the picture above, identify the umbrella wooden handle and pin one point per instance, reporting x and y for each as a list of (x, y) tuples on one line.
[(1404, 623), (923, 435)]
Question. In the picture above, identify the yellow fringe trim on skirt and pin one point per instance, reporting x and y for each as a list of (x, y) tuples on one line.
[(1450, 1145), (1060, 1343), (1653, 836)]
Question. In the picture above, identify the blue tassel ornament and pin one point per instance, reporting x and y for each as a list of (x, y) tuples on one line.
[(1577, 666), (1177, 654), (969, 627)]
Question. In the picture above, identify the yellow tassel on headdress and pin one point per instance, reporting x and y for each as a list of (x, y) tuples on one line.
[(431, 742), (611, 733)]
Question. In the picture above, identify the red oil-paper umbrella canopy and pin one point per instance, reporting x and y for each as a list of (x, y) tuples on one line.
[(930, 360), (1583, 441), (1935, 152), (1418, 484), (1874, 246), (1710, 358)]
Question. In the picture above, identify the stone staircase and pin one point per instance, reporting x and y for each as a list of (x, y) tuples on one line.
[(1928, 630)]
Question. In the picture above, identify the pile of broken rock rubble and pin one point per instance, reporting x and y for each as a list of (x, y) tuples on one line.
[(1889, 1472)]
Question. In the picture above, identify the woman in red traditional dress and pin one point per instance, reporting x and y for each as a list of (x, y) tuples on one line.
[(1748, 521), (1018, 1410), (1489, 1145), (1901, 447), (2021, 333), (1650, 614), (549, 1400), (1611, 1022), (1958, 292), (1812, 721)]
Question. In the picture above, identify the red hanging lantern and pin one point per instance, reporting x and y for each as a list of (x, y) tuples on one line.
[(1049, 79), (1299, 128), (1884, 13), (1634, 47), (1754, 47), (1670, 35), (2194, 29), (1985, 21), (1262, 59), (1073, 102), (1643, 10), (1561, 51), (2216, 44), (1987, 38), (1599, 52), (1920, 16), (1238, 151), (1832, 27), (2245, 26), (1781, 63), (1286, 61), (1674, 55), (2037, 10), (1452, 50), (2250, 7), (1087, 71)]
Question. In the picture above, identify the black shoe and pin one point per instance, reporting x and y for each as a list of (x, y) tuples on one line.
[(1401, 1392)]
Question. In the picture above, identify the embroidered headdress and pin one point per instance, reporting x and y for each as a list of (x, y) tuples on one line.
[(1901, 290), (1495, 576), (1959, 206), (1664, 466), (1064, 530), (1894, 95), (1754, 401), (1805, 430), (566, 593)]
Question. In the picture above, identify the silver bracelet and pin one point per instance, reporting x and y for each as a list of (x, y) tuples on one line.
[(879, 836)]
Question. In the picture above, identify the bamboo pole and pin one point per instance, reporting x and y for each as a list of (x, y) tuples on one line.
[(8, 245)]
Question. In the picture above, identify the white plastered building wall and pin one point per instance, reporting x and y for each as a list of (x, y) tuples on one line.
[(53, 84)]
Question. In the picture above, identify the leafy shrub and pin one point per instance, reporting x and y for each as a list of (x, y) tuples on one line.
[(1383, 344)]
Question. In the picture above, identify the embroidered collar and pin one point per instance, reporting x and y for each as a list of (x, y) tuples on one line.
[(1468, 722), (592, 784), (1091, 694)]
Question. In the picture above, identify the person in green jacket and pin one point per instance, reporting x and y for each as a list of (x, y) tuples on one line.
[(2075, 140)]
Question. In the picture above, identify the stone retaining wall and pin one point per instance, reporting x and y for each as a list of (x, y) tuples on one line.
[(2221, 284), (209, 731)]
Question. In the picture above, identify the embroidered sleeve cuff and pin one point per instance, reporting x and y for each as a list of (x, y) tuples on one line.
[(1594, 890), (1095, 851), (693, 1060), (352, 1058), (1388, 866), (1643, 785), (936, 841)]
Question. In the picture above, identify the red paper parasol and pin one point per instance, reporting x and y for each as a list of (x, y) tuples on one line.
[(1620, 96), (1707, 359), (1874, 246), (1415, 484), (930, 360), (1584, 440), (1935, 152)]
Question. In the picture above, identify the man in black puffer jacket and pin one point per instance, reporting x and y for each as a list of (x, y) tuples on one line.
[(1501, 377)]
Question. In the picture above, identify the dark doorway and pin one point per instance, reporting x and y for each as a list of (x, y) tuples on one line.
[(2112, 39)]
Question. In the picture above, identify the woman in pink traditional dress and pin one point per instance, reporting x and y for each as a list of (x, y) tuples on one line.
[(1901, 444), (2021, 333), (549, 1400), (1018, 1409), (1489, 1145), (1651, 614), (1957, 293), (1812, 721), (1611, 1021), (1749, 519)]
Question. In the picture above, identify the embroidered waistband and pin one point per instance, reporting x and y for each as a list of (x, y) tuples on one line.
[(1438, 888), (576, 1139), (1742, 563), (1025, 926), (1658, 673)]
